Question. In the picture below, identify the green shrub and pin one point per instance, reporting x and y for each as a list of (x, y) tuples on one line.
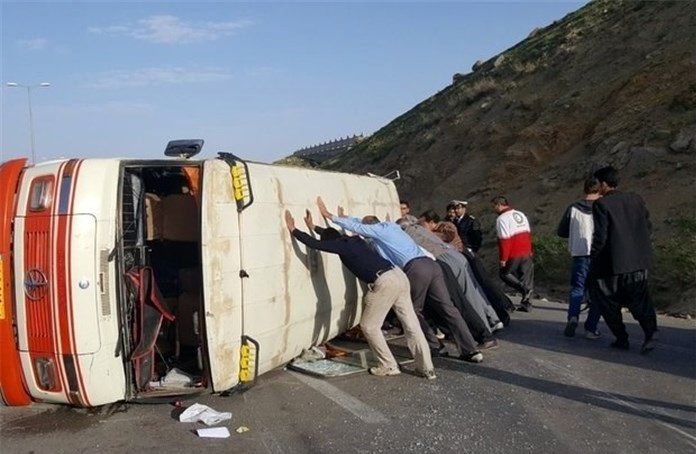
[(674, 271), (551, 261), (294, 161)]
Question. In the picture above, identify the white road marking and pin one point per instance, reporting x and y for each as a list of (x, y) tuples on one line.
[(620, 401), (626, 403), (345, 400)]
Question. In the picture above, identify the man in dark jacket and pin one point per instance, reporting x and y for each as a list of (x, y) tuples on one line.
[(469, 227), (621, 256)]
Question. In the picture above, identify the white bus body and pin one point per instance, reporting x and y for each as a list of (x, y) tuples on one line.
[(213, 233)]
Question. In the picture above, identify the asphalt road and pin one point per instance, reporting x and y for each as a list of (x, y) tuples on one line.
[(538, 392)]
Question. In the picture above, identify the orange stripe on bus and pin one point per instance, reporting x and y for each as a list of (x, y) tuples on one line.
[(12, 380)]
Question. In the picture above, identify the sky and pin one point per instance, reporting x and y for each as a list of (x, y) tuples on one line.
[(260, 80)]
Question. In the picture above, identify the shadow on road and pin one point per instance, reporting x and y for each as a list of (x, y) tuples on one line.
[(598, 398), (675, 354)]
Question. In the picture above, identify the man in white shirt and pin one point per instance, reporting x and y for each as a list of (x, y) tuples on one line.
[(577, 225)]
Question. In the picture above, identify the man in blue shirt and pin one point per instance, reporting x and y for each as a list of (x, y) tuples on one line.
[(387, 288), (424, 275)]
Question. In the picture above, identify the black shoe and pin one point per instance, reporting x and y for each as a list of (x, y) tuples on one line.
[(570, 327), (526, 297), (648, 346), (473, 357), (439, 352), (525, 306), (620, 344)]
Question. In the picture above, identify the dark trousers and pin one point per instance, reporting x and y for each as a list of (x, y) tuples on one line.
[(495, 295), (628, 290), (578, 289), (427, 281), (477, 326), (518, 273)]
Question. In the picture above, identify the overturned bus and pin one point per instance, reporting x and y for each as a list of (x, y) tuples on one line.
[(116, 272)]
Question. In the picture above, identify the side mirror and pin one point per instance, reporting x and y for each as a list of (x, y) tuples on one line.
[(183, 149)]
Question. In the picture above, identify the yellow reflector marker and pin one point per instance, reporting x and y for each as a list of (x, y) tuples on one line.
[(244, 372), (246, 363), (237, 183)]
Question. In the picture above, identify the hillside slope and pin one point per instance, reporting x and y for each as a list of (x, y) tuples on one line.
[(612, 83)]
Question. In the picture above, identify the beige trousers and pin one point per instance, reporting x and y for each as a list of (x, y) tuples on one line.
[(392, 290)]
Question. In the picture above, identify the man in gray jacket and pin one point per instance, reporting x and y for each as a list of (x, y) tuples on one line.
[(577, 226), (474, 299)]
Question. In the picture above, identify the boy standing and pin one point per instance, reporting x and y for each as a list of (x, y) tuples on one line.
[(577, 226)]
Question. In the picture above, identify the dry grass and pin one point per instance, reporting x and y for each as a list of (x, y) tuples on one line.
[(480, 88), (526, 67)]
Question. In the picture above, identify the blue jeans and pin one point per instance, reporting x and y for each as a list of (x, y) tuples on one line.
[(578, 278)]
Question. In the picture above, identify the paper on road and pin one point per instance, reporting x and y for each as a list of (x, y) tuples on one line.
[(214, 432), (203, 413)]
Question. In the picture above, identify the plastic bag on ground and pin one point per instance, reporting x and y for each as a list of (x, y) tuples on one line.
[(178, 378), (204, 414)]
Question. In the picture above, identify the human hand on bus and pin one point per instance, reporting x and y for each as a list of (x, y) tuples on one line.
[(308, 220), (322, 209), (341, 212), (289, 221)]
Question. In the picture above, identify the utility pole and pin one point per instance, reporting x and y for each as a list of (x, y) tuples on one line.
[(31, 115)]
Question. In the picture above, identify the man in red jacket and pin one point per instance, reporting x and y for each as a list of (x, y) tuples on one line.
[(515, 250)]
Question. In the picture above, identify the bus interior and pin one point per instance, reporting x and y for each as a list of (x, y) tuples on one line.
[(161, 283)]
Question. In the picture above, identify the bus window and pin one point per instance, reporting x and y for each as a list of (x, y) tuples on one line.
[(41, 194)]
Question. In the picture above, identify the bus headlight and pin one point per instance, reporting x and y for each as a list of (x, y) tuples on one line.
[(45, 370)]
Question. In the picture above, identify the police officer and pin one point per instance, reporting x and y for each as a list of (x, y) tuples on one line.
[(468, 227)]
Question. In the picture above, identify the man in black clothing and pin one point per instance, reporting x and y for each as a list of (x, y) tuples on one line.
[(388, 288), (468, 227), (621, 256)]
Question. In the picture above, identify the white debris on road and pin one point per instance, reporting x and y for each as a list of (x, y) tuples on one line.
[(203, 413)]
